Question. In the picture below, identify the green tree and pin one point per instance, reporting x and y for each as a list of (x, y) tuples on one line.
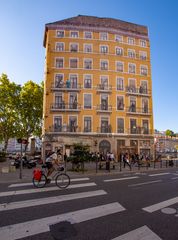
[(9, 102), (170, 133), (30, 110)]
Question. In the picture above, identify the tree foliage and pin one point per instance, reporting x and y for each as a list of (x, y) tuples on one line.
[(20, 109), (9, 101), (170, 133)]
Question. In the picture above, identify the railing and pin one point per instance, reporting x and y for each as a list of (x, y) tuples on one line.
[(104, 88), (65, 87), (64, 128), (139, 130), (104, 108), (66, 106), (104, 129), (137, 91), (134, 110)]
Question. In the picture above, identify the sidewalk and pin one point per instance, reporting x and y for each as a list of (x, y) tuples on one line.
[(14, 176)]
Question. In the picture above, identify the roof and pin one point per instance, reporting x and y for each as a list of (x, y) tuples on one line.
[(99, 22)]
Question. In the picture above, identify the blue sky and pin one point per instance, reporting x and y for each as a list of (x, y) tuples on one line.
[(22, 54)]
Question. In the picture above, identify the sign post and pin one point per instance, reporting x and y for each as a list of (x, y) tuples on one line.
[(21, 141)]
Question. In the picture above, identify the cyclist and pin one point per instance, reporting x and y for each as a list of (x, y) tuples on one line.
[(53, 162)]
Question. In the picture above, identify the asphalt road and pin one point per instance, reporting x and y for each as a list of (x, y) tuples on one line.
[(132, 206)]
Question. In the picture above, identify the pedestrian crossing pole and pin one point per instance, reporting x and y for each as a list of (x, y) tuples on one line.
[(20, 160)]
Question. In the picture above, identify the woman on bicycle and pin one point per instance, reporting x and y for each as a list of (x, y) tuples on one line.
[(53, 162)]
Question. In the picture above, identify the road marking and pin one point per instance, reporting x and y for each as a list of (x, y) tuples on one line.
[(158, 206), (174, 178), (119, 179), (31, 184), (142, 233), (45, 189), (144, 183), (49, 200), (158, 174), (29, 228)]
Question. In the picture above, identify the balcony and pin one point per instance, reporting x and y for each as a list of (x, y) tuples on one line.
[(138, 111), (106, 129), (104, 88), (139, 130), (66, 107), (104, 108), (130, 90), (64, 129), (66, 87)]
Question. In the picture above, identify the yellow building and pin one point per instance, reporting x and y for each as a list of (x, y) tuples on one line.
[(98, 88)]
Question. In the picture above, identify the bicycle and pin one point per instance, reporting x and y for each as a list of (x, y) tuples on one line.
[(39, 180)]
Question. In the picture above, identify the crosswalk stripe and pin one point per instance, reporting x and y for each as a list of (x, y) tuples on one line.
[(160, 205), (144, 183), (119, 179), (29, 228), (158, 174), (45, 189), (49, 200), (31, 184), (142, 233)]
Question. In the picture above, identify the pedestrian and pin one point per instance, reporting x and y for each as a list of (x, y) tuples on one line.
[(126, 160)]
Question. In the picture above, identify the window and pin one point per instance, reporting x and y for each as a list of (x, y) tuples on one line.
[(144, 105), (120, 83), (59, 80), (144, 70), (58, 101), (87, 124), (120, 103), (58, 124), (74, 47), (59, 63), (73, 101), (72, 124), (103, 36), (104, 102), (87, 101), (132, 86), (73, 63), (88, 35), (144, 87), (74, 34), (105, 127), (87, 63), (118, 38), (145, 125), (131, 53), (143, 43), (59, 47), (104, 65), (87, 48), (104, 82), (73, 81), (119, 51), (131, 41), (120, 125), (132, 107), (133, 126), (59, 33), (87, 81), (143, 55), (104, 49), (119, 66), (132, 68)]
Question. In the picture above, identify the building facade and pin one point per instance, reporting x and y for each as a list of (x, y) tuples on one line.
[(98, 87)]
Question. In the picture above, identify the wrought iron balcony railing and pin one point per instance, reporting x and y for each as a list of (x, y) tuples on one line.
[(65, 87), (64, 128), (104, 108), (139, 111), (137, 91), (65, 107), (106, 129), (104, 88)]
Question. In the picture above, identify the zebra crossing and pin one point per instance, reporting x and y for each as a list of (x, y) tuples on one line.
[(33, 227)]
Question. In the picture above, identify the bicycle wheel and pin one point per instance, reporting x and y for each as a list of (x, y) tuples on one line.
[(40, 183), (62, 180)]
